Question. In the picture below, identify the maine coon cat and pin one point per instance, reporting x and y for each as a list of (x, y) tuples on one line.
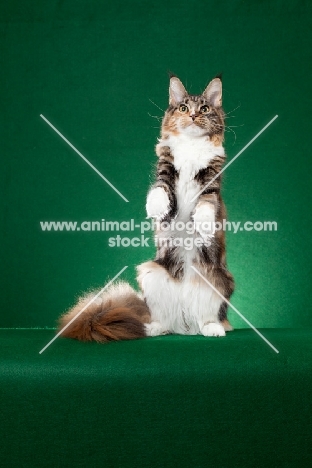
[(174, 298)]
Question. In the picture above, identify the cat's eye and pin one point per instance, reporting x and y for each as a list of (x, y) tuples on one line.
[(204, 109), (183, 108)]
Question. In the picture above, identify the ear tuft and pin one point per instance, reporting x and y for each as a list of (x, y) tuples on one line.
[(213, 92), (219, 75), (177, 92)]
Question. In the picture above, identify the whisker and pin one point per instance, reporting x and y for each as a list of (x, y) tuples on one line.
[(230, 112), (156, 105), (228, 128), (154, 116)]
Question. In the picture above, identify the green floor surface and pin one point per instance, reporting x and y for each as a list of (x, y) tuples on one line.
[(172, 401)]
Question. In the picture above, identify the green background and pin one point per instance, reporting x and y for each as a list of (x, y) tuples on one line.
[(91, 68)]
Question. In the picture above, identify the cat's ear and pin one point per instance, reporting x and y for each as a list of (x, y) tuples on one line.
[(213, 92), (177, 92)]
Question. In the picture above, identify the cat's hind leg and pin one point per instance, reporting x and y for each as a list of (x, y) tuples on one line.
[(160, 292), (213, 329), (205, 304), (155, 329), (209, 323)]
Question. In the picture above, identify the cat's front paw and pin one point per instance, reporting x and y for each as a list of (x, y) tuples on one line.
[(204, 221), (213, 329), (157, 204)]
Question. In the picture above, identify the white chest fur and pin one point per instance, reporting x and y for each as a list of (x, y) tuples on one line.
[(190, 154)]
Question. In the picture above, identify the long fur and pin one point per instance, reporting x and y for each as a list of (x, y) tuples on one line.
[(117, 314), (175, 299)]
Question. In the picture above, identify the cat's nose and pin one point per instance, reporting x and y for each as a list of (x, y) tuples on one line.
[(193, 117)]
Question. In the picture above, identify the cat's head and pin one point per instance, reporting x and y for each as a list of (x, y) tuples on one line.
[(199, 115)]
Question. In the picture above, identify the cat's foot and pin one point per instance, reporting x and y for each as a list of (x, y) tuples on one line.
[(213, 329), (204, 221), (155, 329), (157, 204)]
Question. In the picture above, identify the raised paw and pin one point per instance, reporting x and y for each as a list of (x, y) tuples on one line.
[(213, 329), (157, 204), (154, 329)]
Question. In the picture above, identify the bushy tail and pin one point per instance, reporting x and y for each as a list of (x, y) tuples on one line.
[(117, 314)]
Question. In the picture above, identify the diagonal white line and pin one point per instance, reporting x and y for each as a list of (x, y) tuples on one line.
[(84, 158), (235, 157), (83, 309), (237, 311)]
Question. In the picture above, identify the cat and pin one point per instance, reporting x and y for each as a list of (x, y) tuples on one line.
[(174, 298)]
